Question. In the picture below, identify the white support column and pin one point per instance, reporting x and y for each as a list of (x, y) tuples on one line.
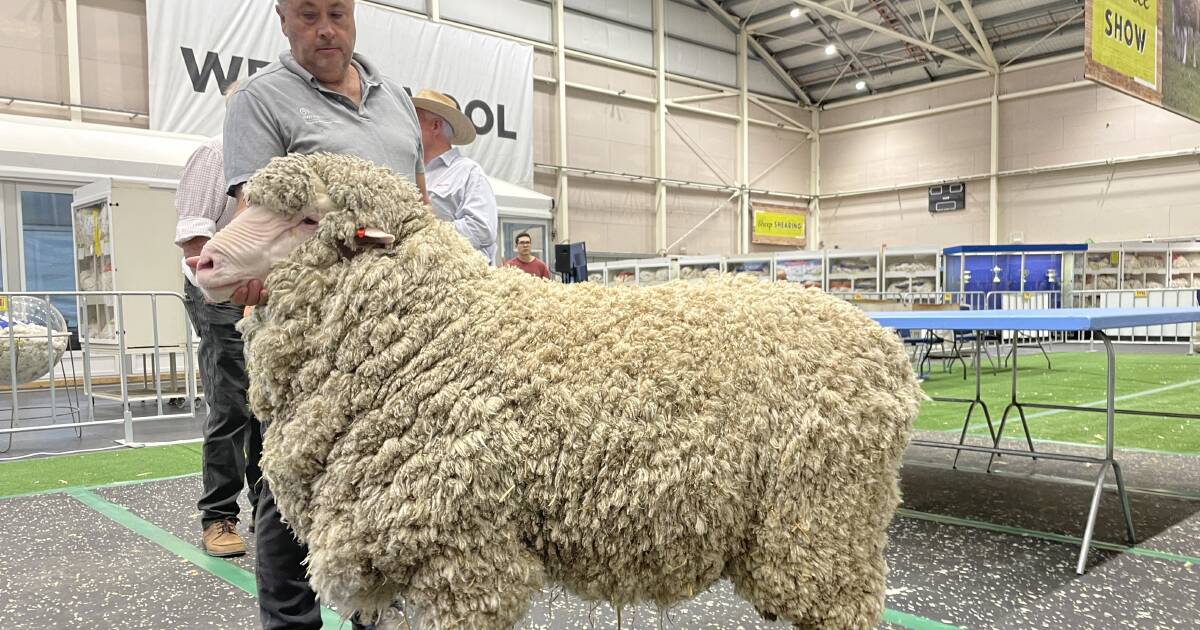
[(433, 9), (74, 74), (562, 223), (660, 128), (994, 167), (814, 184), (743, 145)]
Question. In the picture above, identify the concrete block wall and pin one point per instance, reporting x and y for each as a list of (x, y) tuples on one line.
[(609, 133), (1156, 198)]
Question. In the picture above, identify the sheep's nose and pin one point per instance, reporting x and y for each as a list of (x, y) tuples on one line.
[(205, 263)]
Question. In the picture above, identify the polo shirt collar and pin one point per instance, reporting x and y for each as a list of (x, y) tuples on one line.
[(448, 157), (366, 70)]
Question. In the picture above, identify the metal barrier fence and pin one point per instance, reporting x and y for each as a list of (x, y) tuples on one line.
[(974, 300), (113, 325), (1028, 301), (1041, 300), (1143, 298)]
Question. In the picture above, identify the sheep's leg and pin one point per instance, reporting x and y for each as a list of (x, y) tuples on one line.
[(484, 587), (816, 560)]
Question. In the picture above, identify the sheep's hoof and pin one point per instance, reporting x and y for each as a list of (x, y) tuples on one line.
[(770, 616)]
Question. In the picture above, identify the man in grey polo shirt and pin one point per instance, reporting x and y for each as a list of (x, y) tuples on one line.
[(320, 96)]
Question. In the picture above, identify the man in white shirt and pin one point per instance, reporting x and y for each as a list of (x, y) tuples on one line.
[(458, 189), (232, 439)]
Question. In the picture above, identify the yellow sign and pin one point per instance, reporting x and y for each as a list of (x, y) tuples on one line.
[(1114, 258), (780, 226), (1140, 294), (946, 298), (3, 303), (1124, 38)]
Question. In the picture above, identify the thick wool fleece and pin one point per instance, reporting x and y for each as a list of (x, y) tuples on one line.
[(456, 436)]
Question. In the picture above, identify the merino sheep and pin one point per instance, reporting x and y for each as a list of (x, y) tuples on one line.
[(456, 436)]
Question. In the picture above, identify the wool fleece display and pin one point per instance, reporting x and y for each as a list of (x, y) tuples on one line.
[(454, 437)]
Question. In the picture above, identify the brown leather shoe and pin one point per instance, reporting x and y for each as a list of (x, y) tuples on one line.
[(222, 540)]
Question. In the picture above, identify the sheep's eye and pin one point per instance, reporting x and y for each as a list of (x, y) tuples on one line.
[(309, 221)]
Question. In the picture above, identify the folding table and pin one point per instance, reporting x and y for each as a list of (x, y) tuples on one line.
[(1095, 320)]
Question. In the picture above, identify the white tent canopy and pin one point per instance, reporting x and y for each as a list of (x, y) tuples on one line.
[(518, 202), (34, 149)]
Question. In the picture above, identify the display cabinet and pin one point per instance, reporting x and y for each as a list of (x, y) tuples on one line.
[(851, 272), (802, 267), (124, 241), (760, 266), (653, 271), (912, 270), (698, 268), (618, 273)]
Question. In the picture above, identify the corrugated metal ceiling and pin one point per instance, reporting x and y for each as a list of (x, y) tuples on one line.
[(1028, 29)]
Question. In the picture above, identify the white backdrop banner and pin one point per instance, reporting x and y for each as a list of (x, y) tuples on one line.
[(198, 47)]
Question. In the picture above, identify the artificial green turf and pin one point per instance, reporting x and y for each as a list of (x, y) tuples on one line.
[(1079, 378), (92, 469)]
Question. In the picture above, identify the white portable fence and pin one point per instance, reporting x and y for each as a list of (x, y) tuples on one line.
[(1143, 298), (75, 400), (969, 300)]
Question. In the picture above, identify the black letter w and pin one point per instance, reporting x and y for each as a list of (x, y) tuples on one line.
[(212, 65)]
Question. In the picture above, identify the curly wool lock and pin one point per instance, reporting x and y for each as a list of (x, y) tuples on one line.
[(457, 436)]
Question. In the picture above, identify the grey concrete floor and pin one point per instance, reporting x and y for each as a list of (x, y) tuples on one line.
[(71, 566), (65, 565)]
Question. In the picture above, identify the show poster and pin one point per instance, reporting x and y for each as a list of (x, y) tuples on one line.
[(1149, 49), (1181, 57), (780, 226)]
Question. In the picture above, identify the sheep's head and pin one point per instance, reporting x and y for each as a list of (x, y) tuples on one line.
[(345, 202)]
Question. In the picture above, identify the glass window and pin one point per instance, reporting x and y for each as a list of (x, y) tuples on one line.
[(33, 49), (48, 248), (112, 56)]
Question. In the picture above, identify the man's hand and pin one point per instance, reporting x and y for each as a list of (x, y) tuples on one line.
[(192, 247), (250, 294)]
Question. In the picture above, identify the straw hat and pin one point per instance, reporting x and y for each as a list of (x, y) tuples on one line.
[(444, 106)]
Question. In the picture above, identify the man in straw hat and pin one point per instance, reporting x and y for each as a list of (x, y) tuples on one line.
[(458, 189)]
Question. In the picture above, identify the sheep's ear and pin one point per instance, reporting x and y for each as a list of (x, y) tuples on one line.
[(373, 236)]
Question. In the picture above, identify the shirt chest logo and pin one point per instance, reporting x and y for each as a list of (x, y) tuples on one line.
[(310, 118)]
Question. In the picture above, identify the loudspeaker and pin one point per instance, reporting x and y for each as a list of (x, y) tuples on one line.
[(570, 260), (568, 256)]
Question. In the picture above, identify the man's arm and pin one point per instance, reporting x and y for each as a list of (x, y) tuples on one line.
[(241, 200), (421, 185), (253, 293), (252, 137), (477, 214), (199, 200)]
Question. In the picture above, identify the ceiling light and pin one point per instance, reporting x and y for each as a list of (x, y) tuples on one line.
[(831, 50), (860, 86), (795, 12)]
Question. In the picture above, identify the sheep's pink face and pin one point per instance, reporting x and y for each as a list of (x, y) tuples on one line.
[(245, 250)]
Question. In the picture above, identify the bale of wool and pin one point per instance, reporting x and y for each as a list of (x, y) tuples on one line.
[(36, 349), (455, 436)]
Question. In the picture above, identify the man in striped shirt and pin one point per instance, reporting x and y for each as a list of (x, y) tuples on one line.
[(232, 438)]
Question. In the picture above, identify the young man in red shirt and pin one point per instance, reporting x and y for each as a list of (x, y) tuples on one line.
[(525, 260)]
